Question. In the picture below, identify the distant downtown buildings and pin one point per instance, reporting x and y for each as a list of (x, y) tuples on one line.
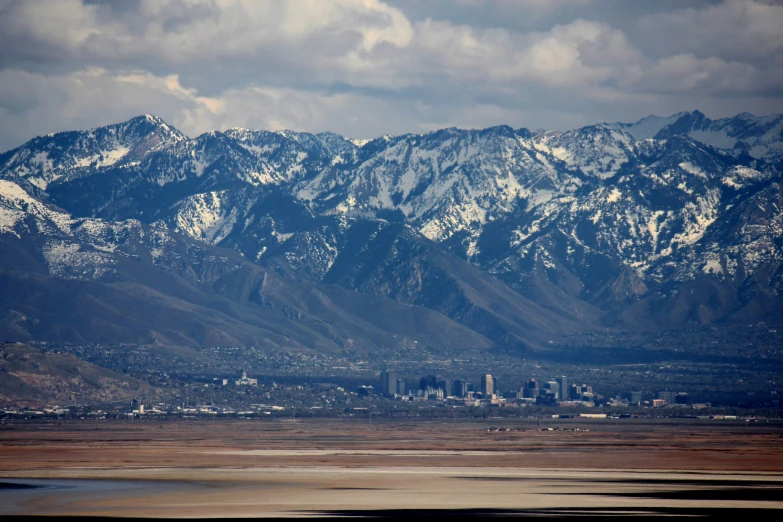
[(436, 387), (557, 391)]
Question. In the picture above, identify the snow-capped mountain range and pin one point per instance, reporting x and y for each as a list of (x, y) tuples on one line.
[(663, 223)]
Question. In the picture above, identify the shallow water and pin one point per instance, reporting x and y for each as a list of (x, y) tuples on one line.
[(55, 496)]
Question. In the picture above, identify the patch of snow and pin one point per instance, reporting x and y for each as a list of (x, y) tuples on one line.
[(690, 168), (104, 158), (541, 146), (260, 178), (562, 153), (42, 161), (199, 165), (715, 138), (747, 173), (348, 205), (648, 127), (207, 217), (653, 226), (282, 238), (110, 157), (67, 260), (17, 204), (739, 177), (712, 266), (540, 197)]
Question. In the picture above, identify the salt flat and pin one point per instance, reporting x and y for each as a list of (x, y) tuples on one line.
[(255, 469)]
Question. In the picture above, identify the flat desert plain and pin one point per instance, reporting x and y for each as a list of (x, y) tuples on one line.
[(257, 468)]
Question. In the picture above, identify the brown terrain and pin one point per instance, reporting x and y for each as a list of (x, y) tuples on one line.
[(30, 377), (257, 468)]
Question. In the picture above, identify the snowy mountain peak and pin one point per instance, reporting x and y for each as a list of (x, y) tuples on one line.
[(72, 154), (604, 216)]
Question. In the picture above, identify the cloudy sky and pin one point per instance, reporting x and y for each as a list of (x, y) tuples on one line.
[(363, 68)]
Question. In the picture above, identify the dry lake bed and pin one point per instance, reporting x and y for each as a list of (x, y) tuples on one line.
[(258, 468)]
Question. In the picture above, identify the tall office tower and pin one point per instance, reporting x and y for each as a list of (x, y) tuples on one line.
[(433, 393), (562, 387), (487, 385), (459, 388), (388, 382), (427, 380), (636, 397), (682, 398), (530, 389), (667, 395), (443, 385), (553, 388), (401, 387)]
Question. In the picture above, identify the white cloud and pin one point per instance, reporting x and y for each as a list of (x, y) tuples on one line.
[(179, 31), (686, 73), (74, 100), (34, 104), (735, 30), (364, 67)]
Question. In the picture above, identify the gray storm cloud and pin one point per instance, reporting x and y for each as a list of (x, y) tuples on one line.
[(367, 67)]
